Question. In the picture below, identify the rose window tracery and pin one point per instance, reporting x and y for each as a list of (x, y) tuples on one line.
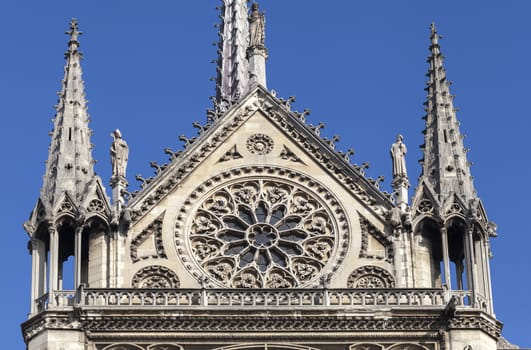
[(262, 233)]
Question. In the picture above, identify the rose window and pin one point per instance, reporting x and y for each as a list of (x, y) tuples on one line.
[(262, 234)]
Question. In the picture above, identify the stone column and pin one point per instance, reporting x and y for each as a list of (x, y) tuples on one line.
[(120, 255), (119, 186), (410, 273), (37, 272), (446, 258), (257, 66), (53, 264), (487, 277), (78, 256), (471, 265)]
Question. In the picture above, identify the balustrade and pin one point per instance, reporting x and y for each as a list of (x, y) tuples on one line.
[(267, 298)]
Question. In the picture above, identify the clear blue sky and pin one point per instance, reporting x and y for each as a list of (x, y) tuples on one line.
[(359, 65)]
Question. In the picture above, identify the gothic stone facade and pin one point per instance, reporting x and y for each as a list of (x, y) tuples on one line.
[(259, 234)]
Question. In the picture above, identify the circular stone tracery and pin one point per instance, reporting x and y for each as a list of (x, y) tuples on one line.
[(262, 236), (264, 233)]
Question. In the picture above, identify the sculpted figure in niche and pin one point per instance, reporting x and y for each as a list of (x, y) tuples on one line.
[(256, 27), (398, 154), (119, 154)]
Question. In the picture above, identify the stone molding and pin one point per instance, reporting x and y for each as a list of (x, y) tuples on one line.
[(415, 324)]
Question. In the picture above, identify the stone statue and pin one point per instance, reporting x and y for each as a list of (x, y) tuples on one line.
[(398, 154), (256, 27), (119, 155)]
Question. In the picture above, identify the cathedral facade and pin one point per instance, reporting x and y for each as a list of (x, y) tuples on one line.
[(259, 234)]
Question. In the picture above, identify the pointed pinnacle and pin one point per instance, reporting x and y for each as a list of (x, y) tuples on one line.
[(434, 35), (74, 32)]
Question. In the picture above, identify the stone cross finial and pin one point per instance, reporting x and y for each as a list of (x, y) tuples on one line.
[(74, 32), (434, 36)]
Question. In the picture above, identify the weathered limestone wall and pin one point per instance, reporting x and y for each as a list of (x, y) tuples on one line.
[(478, 340), (97, 276), (58, 340)]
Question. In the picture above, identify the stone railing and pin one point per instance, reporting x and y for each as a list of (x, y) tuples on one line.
[(261, 297), (266, 298)]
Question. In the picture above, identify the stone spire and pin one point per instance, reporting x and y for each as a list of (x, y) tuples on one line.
[(70, 166), (233, 68), (444, 165)]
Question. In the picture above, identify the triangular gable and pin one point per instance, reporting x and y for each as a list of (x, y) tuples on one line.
[(480, 213), (37, 216), (212, 137), (66, 206), (369, 229), (96, 201), (148, 243), (454, 205), (425, 201)]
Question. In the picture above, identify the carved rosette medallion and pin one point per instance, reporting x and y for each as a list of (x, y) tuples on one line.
[(369, 276), (155, 276), (263, 232), (260, 144)]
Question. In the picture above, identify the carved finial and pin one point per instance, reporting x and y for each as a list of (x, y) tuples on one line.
[(376, 182), (361, 168), (287, 102), (434, 35), (346, 156), (302, 116), (201, 129), (173, 155), (332, 142), (317, 129), (186, 140), (158, 168), (143, 181), (74, 32)]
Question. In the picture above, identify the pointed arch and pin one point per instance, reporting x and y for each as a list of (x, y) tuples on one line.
[(428, 253), (123, 346), (366, 346), (266, 346)]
